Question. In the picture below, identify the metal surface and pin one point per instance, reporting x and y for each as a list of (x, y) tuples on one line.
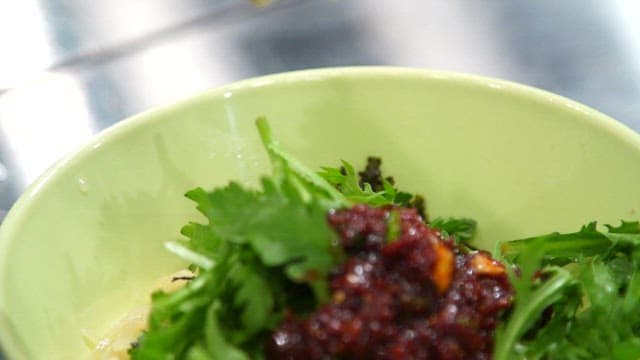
[(71, 68)]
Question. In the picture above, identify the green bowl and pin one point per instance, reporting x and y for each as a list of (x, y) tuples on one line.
[(83, 244)]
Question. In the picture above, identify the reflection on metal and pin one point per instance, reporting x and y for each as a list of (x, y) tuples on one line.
[(3, 179), (42, 122), (626, 12), (3, 174), (24, 42), (185, 67)]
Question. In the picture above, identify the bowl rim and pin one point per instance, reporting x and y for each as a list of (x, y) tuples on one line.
[(15, 217)]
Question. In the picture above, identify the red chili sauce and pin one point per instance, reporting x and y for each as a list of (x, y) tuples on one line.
[(414, 297)]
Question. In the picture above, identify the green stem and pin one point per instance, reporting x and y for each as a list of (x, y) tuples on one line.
[(527, 311), (280, 159), (559, 246)]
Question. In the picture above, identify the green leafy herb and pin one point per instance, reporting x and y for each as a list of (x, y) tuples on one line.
[(562, 248), (272, 222), (267, 250), (346, 180), (461, 229), (591, 304), (357, 190), (260, 250)]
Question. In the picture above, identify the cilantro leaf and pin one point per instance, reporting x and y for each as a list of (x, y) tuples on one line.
[(258, 251), (217, 348), (277, 223), (593, 314), (348, 183), (285, 165), (356, 188), (531, 303), (461, 229), (628, 227), (561, 248)]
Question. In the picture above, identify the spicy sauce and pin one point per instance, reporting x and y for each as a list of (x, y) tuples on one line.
[(415, 296)]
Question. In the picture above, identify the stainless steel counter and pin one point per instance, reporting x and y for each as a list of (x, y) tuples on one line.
[(69, 68)]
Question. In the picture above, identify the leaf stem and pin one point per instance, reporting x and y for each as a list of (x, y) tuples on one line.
[(280, 159), (528, 311)]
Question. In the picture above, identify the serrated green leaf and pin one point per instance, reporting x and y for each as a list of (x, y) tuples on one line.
[(629, 227), (254, 296), (599, 321), (217, 347), (462, 229), (254, 244)]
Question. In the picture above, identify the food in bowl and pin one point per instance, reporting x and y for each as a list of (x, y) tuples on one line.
[(327, 266), (85, 242)]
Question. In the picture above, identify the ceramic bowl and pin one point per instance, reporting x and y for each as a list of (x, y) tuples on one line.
[(83, 244)]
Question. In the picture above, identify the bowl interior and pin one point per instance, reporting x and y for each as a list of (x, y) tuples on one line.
[(83, 244)]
